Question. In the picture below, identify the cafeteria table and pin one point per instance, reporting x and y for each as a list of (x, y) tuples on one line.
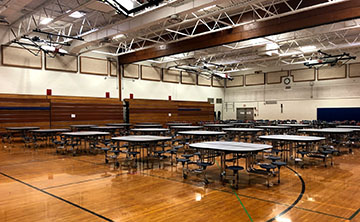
[(210, 150), (293, 142), (143, 145), (274, 129), (23, 130), (87, 136), (218, 126), (151, 131), (243, 133)]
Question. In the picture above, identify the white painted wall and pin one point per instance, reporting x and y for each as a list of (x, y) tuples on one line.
[(301, 102), (145, 89), (16, 80)]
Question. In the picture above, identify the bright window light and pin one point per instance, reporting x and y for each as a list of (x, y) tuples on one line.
[(45, 21), (308, 48), (207, 8), (119, 36), (77, 14)]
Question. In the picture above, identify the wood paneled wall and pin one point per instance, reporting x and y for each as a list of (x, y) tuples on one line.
[(87, 111), (162, 111), (55, 111), (24, 110)]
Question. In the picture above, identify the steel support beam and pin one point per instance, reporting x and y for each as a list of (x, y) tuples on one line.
[(305, 19)]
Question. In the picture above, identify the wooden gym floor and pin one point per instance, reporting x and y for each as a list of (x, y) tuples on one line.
[(40, 185)]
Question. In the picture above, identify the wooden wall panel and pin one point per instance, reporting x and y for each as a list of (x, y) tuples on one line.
[(113, 69), (203, 81), (142, 110), (303, 75), (24, 110), (93, 66), (354, 70), (236, 82), (62, 63), (326, 73), (19, 57), (188, 78), (275, 77), (55, 111), (255, 79), (151, 73), (171, 76), (130, 71), (87, 110), (218, 82)]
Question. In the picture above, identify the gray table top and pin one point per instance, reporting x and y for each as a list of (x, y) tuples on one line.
[(82, 126), (118, 124), (50, 130), (242, 124), (22, 128), (86, 133), (178, 124), (273, 127), (327, 130), (348, 126), (231, 146), (139, 139), (255, 130), (186, 127), (148, 125), (293, 138), (150, 130), (219, 125), (294, 125), (201, 133), (107, 127)]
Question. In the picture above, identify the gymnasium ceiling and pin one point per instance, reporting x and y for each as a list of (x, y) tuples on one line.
[(175, 21)]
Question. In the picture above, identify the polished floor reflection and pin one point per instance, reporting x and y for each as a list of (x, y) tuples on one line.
[(40, 185)]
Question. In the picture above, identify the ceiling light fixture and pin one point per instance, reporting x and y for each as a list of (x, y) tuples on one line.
[(119, 36), (77, 14), (45, 21), (308, 48)]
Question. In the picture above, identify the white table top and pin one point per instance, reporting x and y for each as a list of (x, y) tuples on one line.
[(118, 124), (86, 133), (231, 146), (22, 128), (149, 130), (293, 138), (327, 130), (186, 127), (50, 130), (273, 127), (144, 138), (148, 125), (348, 126), (108, 127), (242, 124), (219, 125), (82, 126), (201, 133), (294, 125), (178, 124), (243, 129)]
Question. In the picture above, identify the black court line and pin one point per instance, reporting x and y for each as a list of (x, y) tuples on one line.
[(57, 197), (354, 214), (296, 201), (78, 182), (250, 197)]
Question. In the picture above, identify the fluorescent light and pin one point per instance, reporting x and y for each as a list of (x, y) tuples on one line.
[(45, 21), (119, 36), (52, 49), (207, 8), (77, 14), (308, 48)]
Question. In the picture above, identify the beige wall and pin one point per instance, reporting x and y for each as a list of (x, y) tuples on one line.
[(300, 102)]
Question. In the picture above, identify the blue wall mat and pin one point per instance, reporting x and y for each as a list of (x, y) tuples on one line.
[(339, 114)]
